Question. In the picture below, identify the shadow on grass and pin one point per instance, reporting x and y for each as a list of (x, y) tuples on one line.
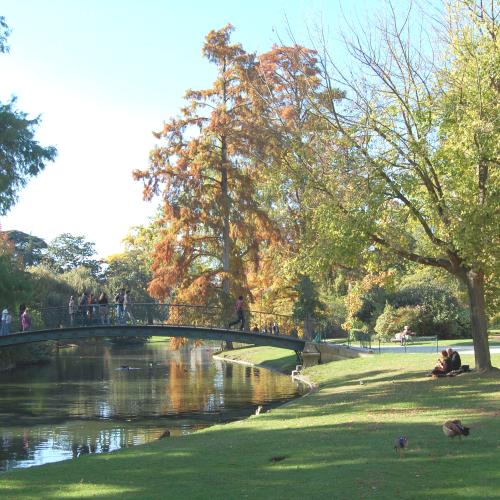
[(343, 460)]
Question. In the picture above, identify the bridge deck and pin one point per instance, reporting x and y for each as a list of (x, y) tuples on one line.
[(191, 332)]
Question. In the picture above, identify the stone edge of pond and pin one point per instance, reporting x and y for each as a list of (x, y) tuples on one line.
[(313, 386)]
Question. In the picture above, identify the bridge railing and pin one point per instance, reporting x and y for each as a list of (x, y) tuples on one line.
[(157, 314)]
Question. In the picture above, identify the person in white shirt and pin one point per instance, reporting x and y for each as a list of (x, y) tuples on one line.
[(5, 313)]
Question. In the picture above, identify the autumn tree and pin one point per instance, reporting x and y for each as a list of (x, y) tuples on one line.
[(211, 225), (285, 79), (408, 167)]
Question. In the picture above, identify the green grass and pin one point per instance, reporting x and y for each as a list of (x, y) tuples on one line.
[(494, 341), (337, 443)]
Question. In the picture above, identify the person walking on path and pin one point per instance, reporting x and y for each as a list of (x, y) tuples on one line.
[(240, 316), (25, 320), (72, 310)]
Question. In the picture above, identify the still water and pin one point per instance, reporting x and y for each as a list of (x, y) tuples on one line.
[(96, 398)]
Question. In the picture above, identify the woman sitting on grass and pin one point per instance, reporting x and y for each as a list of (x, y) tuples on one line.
[(443, 365)]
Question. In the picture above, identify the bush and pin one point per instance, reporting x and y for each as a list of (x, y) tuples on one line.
[(393, 320), (427, 309), (372, 305)]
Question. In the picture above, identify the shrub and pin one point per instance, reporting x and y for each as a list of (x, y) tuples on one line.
[(372, 305), (356, 334), (427, 309), (393, 320)]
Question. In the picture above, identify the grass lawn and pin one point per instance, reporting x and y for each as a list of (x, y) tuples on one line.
[(494, 341), (337, 443)]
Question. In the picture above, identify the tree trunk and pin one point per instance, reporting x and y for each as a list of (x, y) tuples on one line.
[(475, 287), (226, 239), (309, 327)]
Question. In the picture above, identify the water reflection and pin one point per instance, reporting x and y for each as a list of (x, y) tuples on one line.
[(97, 398)]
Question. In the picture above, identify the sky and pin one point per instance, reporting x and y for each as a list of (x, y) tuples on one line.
[(104, 74)]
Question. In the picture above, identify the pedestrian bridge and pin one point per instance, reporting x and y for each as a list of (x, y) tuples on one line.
[(138, 330), (149, 320)]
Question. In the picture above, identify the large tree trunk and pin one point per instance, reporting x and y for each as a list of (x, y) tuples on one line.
[(475, 287), (309, 324)]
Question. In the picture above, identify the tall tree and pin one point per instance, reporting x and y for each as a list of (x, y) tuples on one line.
[(67, 252), (21, 156), (30, 248), (211, 224), (281, 88), (15, 285), (408, 168)]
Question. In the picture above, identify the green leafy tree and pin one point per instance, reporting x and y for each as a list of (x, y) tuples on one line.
[(15, 285), (132, 268), (81, 279), (67, 252), (30, 248), (50, 289), (308, 305), (21, 156), (408, 167)]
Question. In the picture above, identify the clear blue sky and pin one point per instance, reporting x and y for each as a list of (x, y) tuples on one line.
[(104, 74)]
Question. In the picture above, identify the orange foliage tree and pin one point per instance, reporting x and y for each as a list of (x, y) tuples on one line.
[(282, 85), (212, 225)]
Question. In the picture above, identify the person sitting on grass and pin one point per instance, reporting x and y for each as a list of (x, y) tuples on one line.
[(443, 366), (455, 361)]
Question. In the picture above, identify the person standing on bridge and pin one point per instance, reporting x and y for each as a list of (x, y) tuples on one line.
[(25, 321), (240, 316), (72, 310), (6, 321), (4, 316), (119, 298), (84, 300), (127, 307), (103, 306)]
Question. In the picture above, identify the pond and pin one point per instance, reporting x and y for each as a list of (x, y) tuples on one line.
[(99, 397)]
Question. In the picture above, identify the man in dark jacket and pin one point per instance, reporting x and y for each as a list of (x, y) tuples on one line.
[(455, 361)]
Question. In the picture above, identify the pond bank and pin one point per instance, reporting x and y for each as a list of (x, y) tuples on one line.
[(335, 443), (275, 360)]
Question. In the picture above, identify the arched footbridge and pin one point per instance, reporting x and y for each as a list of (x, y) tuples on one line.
[(148, 320)]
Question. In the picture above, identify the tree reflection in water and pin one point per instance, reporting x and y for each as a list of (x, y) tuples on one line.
[(85, 402)]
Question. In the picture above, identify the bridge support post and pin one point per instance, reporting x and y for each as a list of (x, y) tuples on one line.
[(310, 355)]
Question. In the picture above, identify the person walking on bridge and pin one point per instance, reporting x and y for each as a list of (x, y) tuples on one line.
[(25, 320), (240, 316)]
